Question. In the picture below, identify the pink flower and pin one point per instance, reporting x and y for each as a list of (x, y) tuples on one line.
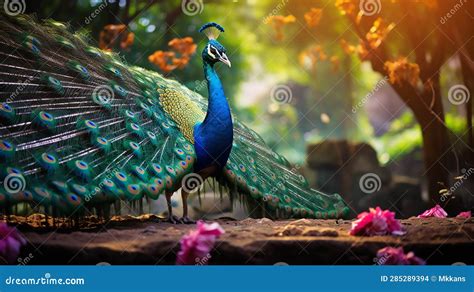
[(376, 222), (436, 211), (10, 243), (465, 215), (197, 244), (396, 256)]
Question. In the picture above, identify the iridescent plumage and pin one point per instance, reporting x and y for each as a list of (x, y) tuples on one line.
[(83, 129)]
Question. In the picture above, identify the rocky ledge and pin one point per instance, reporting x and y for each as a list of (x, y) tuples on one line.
[(131, 241)]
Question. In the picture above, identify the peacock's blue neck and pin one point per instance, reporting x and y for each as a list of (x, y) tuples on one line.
[(218, 111), (213, 137)]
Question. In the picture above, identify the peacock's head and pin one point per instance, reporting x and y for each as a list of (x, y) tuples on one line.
[(214, 52)]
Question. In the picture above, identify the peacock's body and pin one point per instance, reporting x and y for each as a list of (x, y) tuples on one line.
[(81, 129)]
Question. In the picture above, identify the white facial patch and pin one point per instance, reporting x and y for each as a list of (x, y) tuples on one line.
[(209, 52)]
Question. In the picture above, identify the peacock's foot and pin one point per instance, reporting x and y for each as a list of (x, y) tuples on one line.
[(173, 219), (187, 220)]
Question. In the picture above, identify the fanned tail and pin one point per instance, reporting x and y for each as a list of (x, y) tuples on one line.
[(269, 179), (78, 126)]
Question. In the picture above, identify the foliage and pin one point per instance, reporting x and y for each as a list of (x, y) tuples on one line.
[(323, 49)]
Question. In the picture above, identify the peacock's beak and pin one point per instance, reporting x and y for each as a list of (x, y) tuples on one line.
[(225, 60)]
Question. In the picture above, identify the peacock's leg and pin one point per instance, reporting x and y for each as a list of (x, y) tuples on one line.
[(185, 219), (171, 218)]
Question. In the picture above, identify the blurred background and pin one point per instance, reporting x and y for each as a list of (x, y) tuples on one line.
[(370, 99)]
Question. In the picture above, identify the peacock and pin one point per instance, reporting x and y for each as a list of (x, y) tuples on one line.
[(80, 131)]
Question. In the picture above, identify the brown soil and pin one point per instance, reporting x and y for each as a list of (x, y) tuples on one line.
[(145, 240)]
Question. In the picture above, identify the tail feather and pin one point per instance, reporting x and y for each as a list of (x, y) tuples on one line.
[(83, 128), (268, 177), (78, 118)]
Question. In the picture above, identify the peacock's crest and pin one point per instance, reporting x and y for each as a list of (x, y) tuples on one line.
[(212, 30)]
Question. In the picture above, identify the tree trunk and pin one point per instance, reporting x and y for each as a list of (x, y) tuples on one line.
[(428, 110), (435, 153)]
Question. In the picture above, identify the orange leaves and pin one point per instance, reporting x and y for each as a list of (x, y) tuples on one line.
[(360, 49), (401, 70), (184, 46), (278, 22), (348, 48), (309, 58), (164, 60), (112, 33), (378, 32), (177, 58), (127, 42), (346, 7), (313, 17)]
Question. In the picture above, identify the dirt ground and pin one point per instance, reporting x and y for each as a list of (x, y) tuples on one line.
[(146, 240)]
